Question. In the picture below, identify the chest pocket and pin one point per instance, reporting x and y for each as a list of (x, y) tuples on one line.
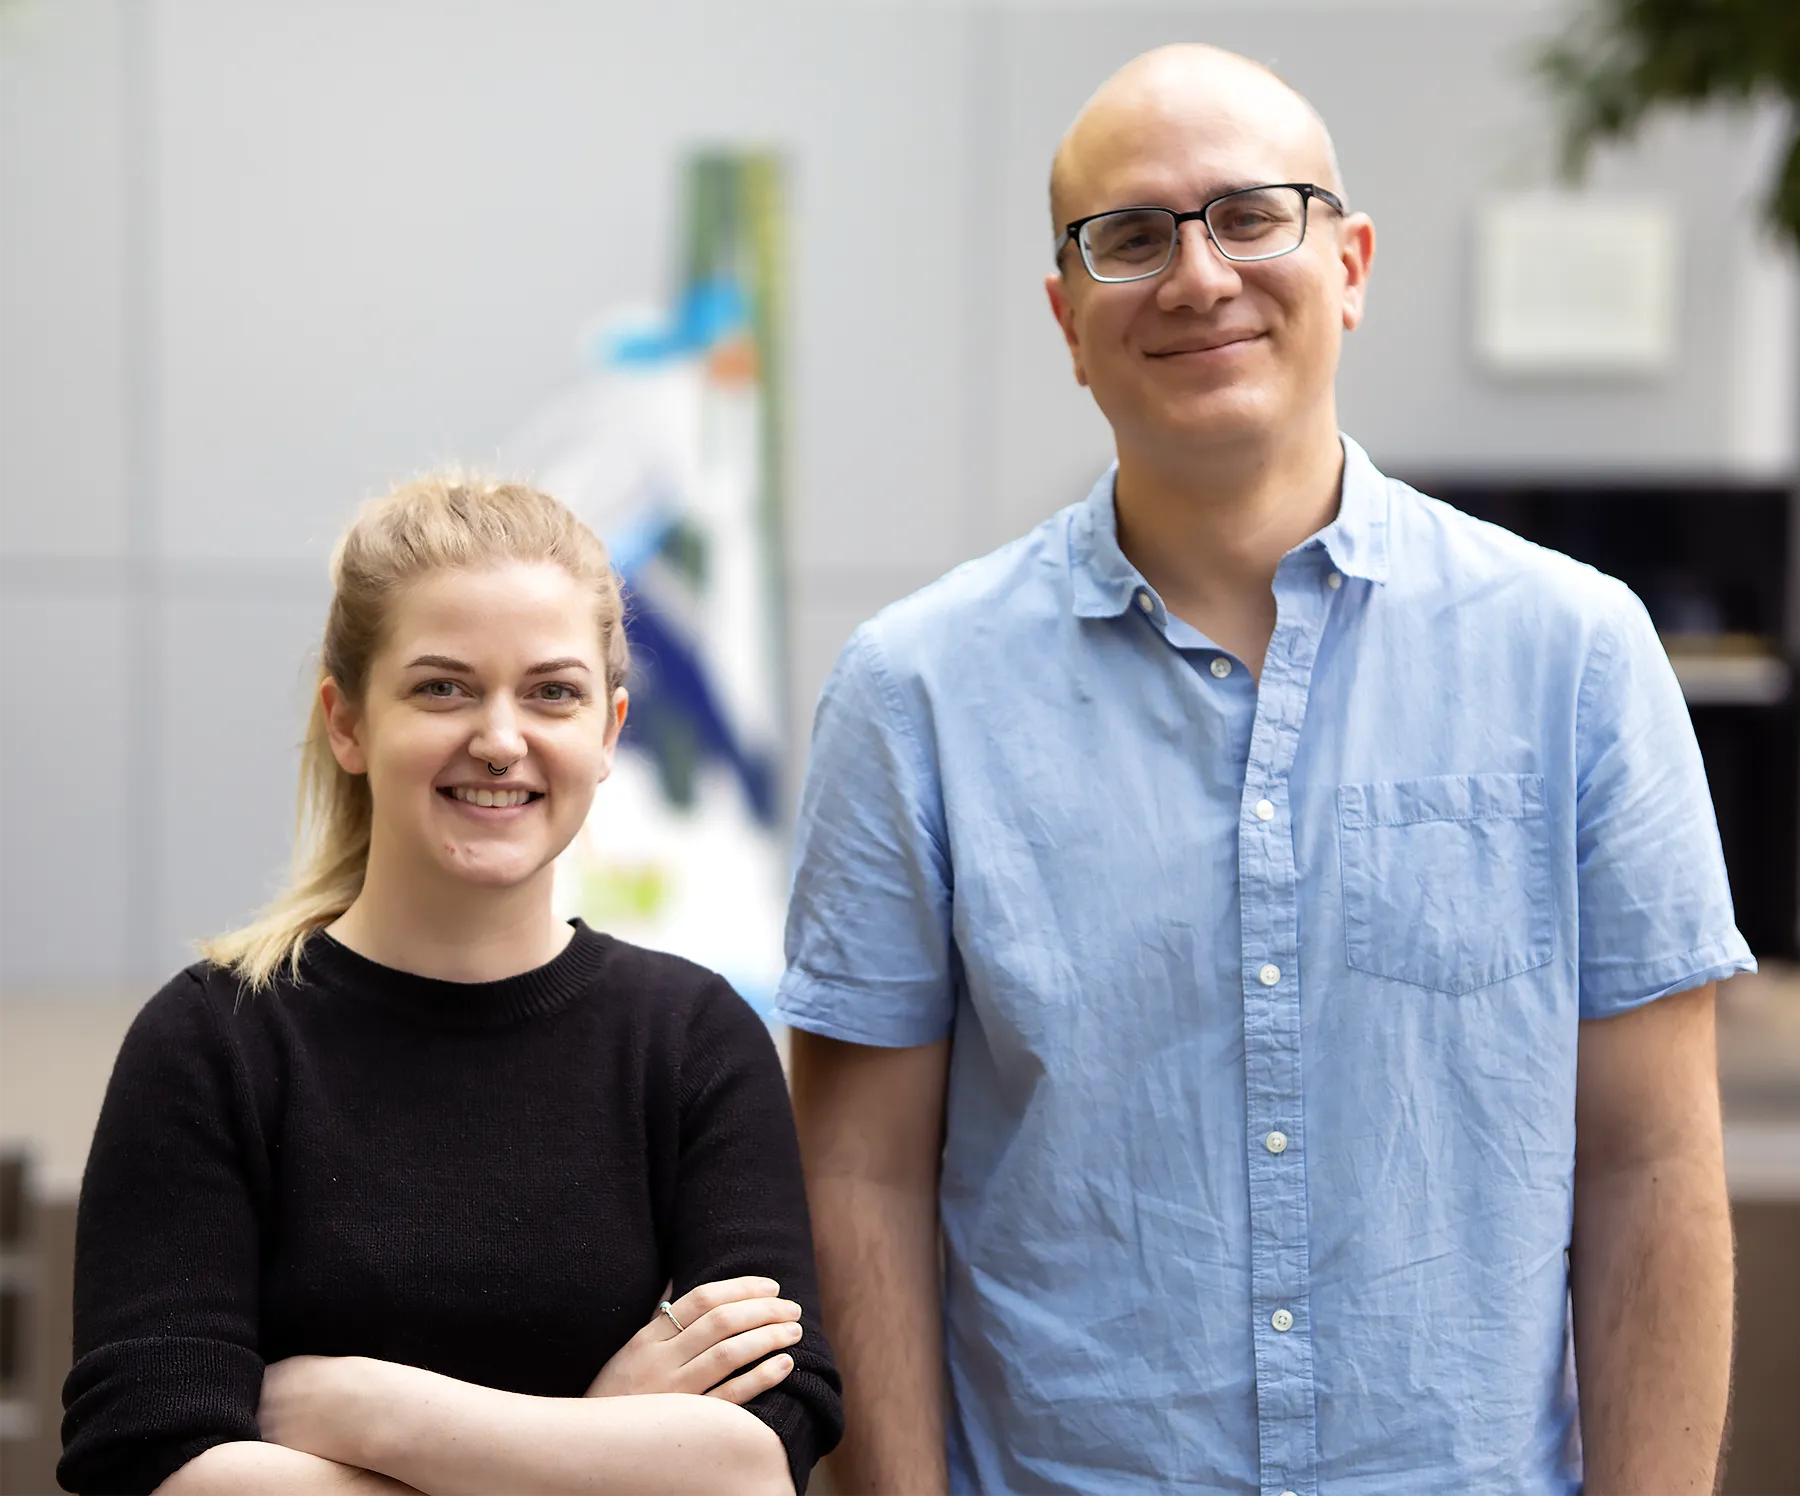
[(1446, 880)]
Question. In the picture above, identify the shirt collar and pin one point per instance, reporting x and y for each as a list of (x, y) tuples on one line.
[(1105, 582), (1357, 540)]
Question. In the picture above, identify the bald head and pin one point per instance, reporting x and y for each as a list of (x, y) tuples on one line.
[(1190, 93)]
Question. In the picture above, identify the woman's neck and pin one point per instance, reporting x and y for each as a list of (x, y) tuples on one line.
[(460, 933)]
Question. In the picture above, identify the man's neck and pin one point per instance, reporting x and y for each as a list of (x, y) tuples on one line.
[(1209, 534), (455, 932)]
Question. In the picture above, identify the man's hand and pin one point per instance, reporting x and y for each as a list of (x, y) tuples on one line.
[(727, 1325)]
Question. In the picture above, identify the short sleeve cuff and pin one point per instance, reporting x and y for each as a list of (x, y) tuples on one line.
[(890, 1016), (1609, 988)]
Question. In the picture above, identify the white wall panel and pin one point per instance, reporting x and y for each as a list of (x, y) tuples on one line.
[(65, 822), (236, 672), (63, 323), (385, 227)]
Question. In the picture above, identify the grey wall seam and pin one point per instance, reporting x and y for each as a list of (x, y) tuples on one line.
[(143, 510), (983, 122)]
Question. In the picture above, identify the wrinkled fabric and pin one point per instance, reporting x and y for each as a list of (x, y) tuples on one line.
[(1166, 912)]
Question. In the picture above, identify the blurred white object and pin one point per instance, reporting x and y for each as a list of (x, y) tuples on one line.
[(659, 451), (1569, 283)]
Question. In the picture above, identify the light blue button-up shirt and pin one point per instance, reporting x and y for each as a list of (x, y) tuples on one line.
[(1263, 997)]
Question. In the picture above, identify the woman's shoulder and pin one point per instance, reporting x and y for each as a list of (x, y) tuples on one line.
[(191, 1002), (644, 969), (207, 1015), (184, 1041), (701, 1004)]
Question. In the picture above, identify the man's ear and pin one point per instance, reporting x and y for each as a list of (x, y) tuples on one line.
[(1356, 253), (1057, 289), (343, 726)]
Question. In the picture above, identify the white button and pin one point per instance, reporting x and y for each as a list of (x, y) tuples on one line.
[(1282, 1320), (1221, 667), (1145, 603), (1269, 975), (1276, 1142), (1287, 1493), (1334, 581), (1264, 811)]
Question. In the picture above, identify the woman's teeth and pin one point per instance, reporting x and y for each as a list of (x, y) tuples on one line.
[(491, 797)]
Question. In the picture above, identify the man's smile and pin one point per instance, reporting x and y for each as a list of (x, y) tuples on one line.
[(1205, 344)]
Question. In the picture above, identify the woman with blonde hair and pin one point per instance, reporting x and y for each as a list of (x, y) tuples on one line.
[(409, 1186)]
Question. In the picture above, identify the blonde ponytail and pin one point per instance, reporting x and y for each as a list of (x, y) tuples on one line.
[(432, 524)]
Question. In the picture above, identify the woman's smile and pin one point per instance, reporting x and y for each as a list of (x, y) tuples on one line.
[(490, 805)]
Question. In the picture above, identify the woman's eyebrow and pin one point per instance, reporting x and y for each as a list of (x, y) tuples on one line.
[(463, 667)]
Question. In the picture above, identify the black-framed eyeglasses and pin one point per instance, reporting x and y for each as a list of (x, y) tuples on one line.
[(1252, 223)]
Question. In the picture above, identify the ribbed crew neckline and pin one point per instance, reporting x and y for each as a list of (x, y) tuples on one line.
[(432, 1002)]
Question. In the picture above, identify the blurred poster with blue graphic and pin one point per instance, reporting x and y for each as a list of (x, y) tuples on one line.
[(670, 449)]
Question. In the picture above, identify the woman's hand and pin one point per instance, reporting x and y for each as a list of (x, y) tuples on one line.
[(727, 1326)]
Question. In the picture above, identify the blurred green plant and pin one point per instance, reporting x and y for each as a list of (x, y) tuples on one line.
[(1621, 61)]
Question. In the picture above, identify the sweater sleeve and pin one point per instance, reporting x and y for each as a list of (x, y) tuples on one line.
[(166, 1259), (740, 1207)]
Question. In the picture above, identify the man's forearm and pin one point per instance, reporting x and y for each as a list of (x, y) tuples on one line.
[(1652, 1292), (881, 1296)]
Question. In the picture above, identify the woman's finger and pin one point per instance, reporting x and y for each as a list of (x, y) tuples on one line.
[(696, 1303), (727, 1356), (733, 1319), (754, 1382)]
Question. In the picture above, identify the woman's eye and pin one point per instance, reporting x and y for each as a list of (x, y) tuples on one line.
[(558, 692), (440, 690)]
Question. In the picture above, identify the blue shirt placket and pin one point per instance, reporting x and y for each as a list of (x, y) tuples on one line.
[(1274, 1115)]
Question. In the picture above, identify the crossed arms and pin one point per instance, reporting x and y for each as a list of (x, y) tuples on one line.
[(350, 1424)]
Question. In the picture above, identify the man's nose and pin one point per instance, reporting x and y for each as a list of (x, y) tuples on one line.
[(1198, 276)]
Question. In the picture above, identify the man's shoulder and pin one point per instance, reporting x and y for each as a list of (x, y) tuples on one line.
[(1442, 553), (992, 600)]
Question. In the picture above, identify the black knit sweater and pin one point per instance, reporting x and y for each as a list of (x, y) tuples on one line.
[(492, 1181)]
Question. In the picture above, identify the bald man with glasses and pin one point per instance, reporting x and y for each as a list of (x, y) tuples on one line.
[(1253, 941)]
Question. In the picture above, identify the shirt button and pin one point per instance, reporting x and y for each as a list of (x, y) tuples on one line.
[(1334, 581), (1287, 1493), (1221, 667), (1264, 811), (1276, 1142), (1282, 1320), (1269, 975), (1145, 603)]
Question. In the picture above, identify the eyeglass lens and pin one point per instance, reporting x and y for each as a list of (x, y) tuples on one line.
[(1257, 224)]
